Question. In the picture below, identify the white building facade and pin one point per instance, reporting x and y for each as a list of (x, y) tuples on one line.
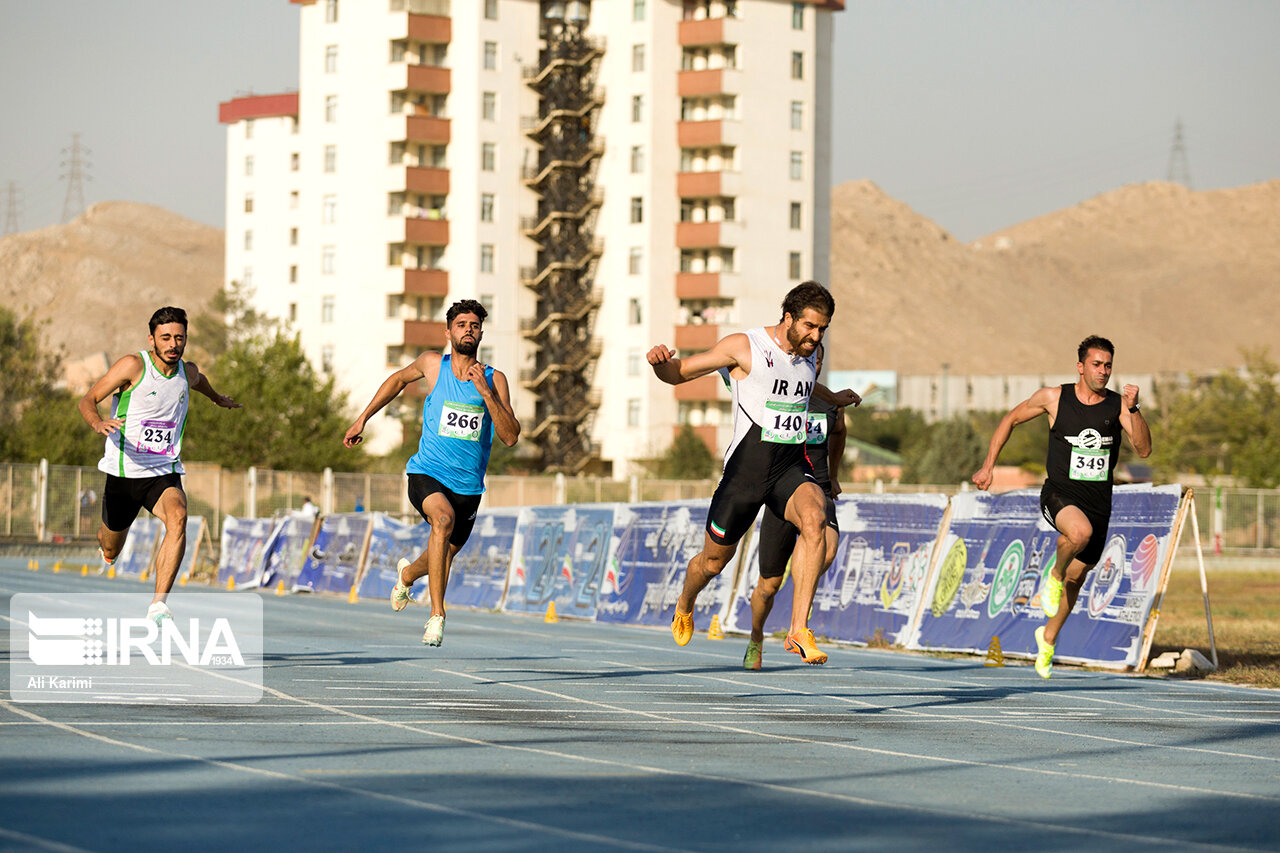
[(395, 182)]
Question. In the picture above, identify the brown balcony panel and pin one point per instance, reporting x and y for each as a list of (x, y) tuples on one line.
[(706, 433), (696, 235), (427, 129), (433, 29), (701, 337), (698, 184), (427, 232), (709, 31), (422, 179), (699, 134), (426, 282), (697, 285), (694, 83), (703, 388), (424, 333), (428, 78)]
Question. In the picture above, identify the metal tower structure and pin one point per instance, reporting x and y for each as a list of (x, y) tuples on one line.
[(75, 166), (1179, 167), (568, 201)]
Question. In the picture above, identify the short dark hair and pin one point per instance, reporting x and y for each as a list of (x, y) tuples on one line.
[(808, 294), (465, 306), (166, 315), (1094, 342)]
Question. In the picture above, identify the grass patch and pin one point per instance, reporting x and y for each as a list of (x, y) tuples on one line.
[(1246, 623)]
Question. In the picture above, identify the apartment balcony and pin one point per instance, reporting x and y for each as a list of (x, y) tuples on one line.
[(705, 32), (431, 79), (709, 81), (426, 232), (707, 134), (424, 333), (698, 235), (700, 184), (426, 282), (429, 129), (432, 29), (698, 337), (702, 285), (709, 387), (426, 180)]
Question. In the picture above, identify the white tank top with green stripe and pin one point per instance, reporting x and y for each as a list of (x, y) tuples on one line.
[(154, 410)]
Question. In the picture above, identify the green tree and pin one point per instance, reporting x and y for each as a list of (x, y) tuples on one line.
[(687, 458), (950, 454), (228, 318), (1227, 425), (52, 428), (894, 430)]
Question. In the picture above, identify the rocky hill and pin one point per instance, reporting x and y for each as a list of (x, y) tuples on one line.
[(1179, 280)]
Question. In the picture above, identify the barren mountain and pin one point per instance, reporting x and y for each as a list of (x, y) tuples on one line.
[(98, 279), (1179, 280)]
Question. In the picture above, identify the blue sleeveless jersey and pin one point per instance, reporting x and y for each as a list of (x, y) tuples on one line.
[(457, 433)]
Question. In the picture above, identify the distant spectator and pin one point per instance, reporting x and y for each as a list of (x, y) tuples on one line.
[(359, 504), (309, 509)]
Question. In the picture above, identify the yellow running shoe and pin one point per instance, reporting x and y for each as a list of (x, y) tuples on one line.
[(1051, 596), (400, 592), (682, 628), (754, 656), (1044, 655), (803, 644)]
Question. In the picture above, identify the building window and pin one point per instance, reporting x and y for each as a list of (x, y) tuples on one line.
[(797, 65), (293, 312), (293, 275), (637, 10), (489, 106), (328, 259), (331, 158), (635, 358), (793, 266), (634, 260), (634, 314), (295, 161), (797, 165), (633, 412), (293, 236), (331, 59), (637, 108), (486, 257), (397, 51), (730, 54), (326, 309), (329, 209), (395, 302), (293, 199), (637, 159), (491, 10), (248, 202), (488, 157), (395, 254), (797, 16), (248, 240), (486, 207), (486, 299), (797, 115), (331, 11), (246, 278), (491, 56), (795, 216), (637, 57), (637, 209), (248, 128), (326, 358), (331, 108), (248, 166)]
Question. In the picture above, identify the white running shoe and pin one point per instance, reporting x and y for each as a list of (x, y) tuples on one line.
[(434, 633), (158, 612), (400, 593)]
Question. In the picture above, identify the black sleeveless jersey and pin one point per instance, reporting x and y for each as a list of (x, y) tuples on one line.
[(1084, 446)]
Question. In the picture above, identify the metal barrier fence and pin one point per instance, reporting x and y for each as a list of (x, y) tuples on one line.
[(56, 503)]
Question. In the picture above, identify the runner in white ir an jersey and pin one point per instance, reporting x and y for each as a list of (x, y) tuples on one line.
[(773, 374), (144, 439)]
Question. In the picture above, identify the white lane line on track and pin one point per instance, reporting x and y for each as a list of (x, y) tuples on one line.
[(41, 843)]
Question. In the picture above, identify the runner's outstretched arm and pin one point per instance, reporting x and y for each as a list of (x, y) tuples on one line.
[(1044, 401), (201, 383), (388, 390), (733, 352)]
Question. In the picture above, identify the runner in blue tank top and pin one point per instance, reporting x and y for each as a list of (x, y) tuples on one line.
[(466, 403), (1085, 422)]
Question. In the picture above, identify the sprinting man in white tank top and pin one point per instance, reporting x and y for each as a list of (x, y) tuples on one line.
[(151, 391), (773, 374)]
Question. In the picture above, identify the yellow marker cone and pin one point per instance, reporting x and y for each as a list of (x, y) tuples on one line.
[(353, 596), (111, 571), (33, 565), (57, 567), (84, 570), (995, 656), (231, 584), (280, 588), (551, 613), (182, 581), (142, 578), (715, 632)]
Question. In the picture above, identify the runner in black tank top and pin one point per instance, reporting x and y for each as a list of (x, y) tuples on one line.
[(1085, 422)]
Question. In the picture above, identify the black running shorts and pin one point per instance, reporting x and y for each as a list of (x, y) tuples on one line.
[(1053, 502), (464, 506), (122, 497), (778, 539)]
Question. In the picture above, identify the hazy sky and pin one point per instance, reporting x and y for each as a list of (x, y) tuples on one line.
[(977, 114)]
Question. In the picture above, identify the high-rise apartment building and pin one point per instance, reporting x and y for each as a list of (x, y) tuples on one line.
[(603, 176)]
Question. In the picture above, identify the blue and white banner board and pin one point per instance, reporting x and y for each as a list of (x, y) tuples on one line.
[(135, 557), (390, 542), (478, 577), (333, 563), (995, 557), (286, 548), (243, 543), (655, 542), (560, 555)]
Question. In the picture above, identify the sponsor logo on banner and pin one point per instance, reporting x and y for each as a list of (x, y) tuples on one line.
[(974, 592), (1107, 576), (1005, 581), (1142, 570), (949, 576), (855, 557), (891, 586)]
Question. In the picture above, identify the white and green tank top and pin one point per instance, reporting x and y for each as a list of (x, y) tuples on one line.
[(154, 410)]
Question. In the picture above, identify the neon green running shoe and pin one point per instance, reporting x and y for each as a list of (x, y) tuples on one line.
[(1044, 655), (400, 592), (754, 656), (1051, 596)]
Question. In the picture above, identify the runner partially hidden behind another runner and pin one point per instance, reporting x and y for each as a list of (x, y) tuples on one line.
[(144, 440), (825, 448), (772, 371), (466, 403), (1085, 421)]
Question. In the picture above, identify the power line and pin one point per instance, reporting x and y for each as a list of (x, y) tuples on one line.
[(75, 177), (11, 210), (1179, 167)]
